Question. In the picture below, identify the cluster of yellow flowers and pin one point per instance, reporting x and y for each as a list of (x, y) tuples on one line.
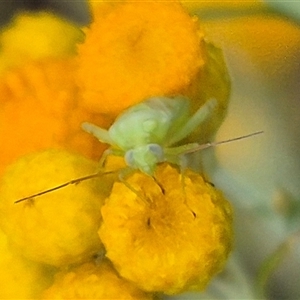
[(101, 239)]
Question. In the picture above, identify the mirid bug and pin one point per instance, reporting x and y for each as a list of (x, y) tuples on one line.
[(145, 135)]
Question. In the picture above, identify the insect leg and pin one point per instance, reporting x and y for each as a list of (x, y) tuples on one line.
[(103, 158), (126, 172), (159, 185), (199, 117), (183, 165), (101, 134)]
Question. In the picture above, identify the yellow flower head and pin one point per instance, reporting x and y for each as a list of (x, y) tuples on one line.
[(36, 36), (93, 281), (60, 227), (19, 277), (167, 239), (137, 50), (39, 109)]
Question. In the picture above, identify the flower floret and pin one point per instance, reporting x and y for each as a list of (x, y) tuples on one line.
[(59, 227), (178, 237), (93, 281), (143, 49)]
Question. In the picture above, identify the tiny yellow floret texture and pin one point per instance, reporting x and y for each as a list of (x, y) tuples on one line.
[(20, 278), (93, 281), (170, 237), (144, 49), (43, 94), (32, 36), (58, 228), (122, 234)]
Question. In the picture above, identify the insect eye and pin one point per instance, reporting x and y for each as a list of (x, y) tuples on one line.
[(129, 158), (157, 150)]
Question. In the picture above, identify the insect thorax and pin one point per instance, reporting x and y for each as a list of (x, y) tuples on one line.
[(150, 122)]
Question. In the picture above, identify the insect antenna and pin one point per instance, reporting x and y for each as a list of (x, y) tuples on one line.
[(177, 154), (74, 181), (213, 144)]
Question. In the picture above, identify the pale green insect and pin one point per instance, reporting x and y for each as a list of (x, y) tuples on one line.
[(145, 135)]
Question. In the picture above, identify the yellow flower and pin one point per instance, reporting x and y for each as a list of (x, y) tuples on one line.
[(178, 236), (136, 50), (60, 227), (147, 49), (35, 36), (93, 281), (170, 238), (39, 109), (20, 278)]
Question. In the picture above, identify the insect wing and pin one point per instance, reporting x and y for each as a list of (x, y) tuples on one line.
[(177, 110), (178, 133)]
